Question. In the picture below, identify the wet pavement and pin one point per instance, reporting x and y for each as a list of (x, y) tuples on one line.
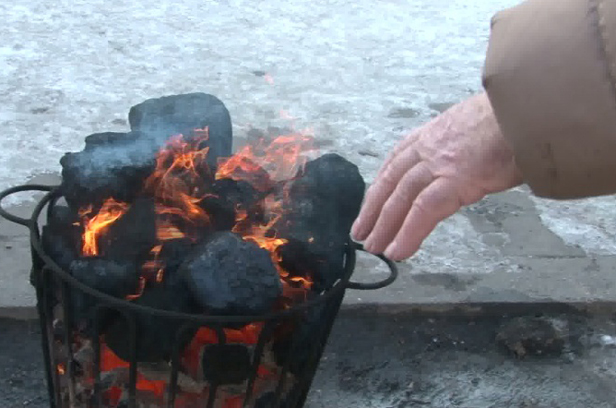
[(380, 360)]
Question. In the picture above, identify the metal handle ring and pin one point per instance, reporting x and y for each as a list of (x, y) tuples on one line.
[(28, 187), (393, 274)]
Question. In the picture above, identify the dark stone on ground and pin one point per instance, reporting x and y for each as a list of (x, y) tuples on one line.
[(232, 277), (226, 363), (531, 336)]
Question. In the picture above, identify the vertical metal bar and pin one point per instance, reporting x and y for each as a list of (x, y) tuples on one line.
[(50, 284), (52, 202), (211, 398), (256, 360), (305, 381), (175, 364), (222, 340), (65, 294), (45, 322), (132, 343), (96, 345), (332, 306), (297, 320)]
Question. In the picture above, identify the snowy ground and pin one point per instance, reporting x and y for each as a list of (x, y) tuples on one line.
[(359, 73)]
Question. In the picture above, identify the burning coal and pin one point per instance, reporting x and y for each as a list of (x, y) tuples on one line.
[(166, 217)]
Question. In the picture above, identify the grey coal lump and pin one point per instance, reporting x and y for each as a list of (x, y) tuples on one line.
[(232, 277), (110, 165), (323, 203), (226, 363), (182, 114), (116, 278), (156, 335)]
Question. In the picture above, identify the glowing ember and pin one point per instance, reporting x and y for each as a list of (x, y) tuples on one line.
[(154, 266), (140, 290), (110, 362), (166, 231)]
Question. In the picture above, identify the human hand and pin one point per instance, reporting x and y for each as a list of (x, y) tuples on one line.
[(452, 161)]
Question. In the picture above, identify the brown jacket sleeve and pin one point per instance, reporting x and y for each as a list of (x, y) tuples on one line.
[(550, 75)]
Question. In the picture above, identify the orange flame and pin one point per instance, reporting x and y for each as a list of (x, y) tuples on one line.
[(95, 226), (166, 231), (282, 158), (177, 176), (154, 266), (140, 289), (178, 184)]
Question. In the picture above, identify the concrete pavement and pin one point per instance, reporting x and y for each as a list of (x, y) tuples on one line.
[(372, 361)]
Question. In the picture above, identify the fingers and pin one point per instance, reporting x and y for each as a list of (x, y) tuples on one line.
[(380, 191), (435, 203), (399, 148), (396, 208)]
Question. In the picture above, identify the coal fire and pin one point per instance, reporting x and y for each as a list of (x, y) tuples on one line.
[(166, 217)]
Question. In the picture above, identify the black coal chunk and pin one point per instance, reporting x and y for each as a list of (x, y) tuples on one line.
[(268, 400), (62, 217), (61, 241), (230, 276), (531, 336), (297, 258), (226, 363), (61, 238), (173, 253), (111, 165), (226, 197), (300, 341), (112, 277), (323, 203), (156, 335), (182, 114), (133, 235)]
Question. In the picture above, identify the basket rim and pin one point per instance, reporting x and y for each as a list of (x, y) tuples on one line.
[(124, 305)]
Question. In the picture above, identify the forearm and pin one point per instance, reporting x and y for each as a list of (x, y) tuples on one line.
[(549, 75)]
